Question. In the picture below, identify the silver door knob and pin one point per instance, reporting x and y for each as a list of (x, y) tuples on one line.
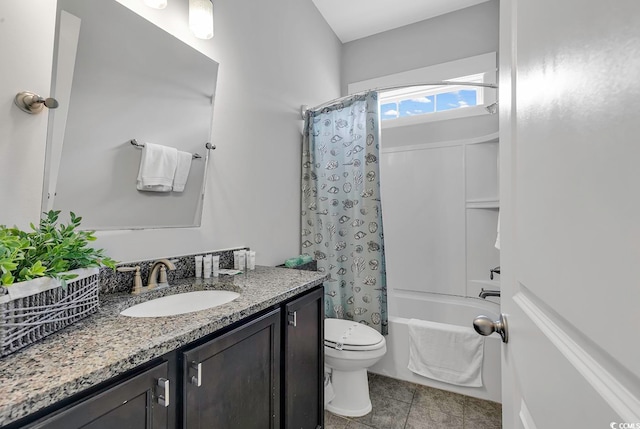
[(32, 103), (485, 326)]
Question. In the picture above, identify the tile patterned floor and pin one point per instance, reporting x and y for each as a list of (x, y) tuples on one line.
[(403, 405)]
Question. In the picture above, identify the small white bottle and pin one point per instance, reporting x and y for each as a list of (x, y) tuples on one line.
[(198, 259), (251, 261), (236, 259), (215, 266), (242, 260), (207, 266)]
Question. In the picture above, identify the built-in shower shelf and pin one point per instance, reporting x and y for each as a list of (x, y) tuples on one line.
[(487, 284), (483, 204)]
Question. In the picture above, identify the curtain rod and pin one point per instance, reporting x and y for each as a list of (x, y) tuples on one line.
[(305, 108)]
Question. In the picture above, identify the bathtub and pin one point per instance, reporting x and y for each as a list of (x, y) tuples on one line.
[(443, 309)]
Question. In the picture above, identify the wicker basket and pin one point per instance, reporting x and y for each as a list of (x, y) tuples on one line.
[(37, 308)]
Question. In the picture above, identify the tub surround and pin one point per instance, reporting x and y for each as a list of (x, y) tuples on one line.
[(106, 344)]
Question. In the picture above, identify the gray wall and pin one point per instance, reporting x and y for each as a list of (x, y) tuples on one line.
[(274, 56), (456, 35), (460, 34)]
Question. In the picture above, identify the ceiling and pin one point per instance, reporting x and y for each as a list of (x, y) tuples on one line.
[(355, 19)]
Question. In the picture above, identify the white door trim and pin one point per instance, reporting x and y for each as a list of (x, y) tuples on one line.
[(617, 396)]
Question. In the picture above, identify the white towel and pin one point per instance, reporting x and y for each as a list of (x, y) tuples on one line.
[(448, 353), (157, 168), (182, 171)]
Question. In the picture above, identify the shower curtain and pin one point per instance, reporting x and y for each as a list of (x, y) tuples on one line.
[(341, 210)]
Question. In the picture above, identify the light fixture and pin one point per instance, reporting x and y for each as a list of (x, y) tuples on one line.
[(201, 18), (156, 4)]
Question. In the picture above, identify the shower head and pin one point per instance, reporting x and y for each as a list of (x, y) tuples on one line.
[(492, 108)]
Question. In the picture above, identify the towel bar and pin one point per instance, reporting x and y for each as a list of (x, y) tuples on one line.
[(208, 145)]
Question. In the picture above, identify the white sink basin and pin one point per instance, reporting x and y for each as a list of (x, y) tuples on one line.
[(180, 303)]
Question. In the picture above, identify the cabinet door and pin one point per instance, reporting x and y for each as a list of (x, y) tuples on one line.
[(304, 362), (233, 381), (132, 404)]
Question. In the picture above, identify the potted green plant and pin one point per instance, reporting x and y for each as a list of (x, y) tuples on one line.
[(49, 250), (48, 279)]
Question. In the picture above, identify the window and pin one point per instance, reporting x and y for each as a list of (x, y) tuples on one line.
[(417, 104), (423, 100)]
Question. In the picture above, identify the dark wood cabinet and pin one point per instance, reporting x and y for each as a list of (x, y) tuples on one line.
[(303, 363), (233, 381), (136, 403)]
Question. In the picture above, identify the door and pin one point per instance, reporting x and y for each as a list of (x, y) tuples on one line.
[(304, 362), (140, 402), (233, 381), (27, 29), (570, 201)]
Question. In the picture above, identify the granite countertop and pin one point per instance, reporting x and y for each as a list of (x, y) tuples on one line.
[(107, 344)]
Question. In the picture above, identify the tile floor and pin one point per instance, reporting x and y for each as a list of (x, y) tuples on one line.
[(403, 405)]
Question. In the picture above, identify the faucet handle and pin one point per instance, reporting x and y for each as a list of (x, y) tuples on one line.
[(137, 278), (162, 278), (493, 271)]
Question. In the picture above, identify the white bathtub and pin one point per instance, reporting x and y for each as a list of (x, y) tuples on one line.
[(443, 309)]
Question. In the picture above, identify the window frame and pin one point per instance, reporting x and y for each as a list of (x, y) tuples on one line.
[(478, 69)]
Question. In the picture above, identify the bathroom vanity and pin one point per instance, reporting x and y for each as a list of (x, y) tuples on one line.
[(256, 362)]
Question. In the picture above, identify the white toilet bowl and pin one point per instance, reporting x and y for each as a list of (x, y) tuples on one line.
[(349, 349)]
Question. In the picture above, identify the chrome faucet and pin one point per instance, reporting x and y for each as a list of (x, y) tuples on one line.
[(160, 265), (484, 293)]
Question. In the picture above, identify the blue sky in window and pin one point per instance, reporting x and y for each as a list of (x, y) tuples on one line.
[(429, 104), (389, 111), (417, 106), (456, 100)]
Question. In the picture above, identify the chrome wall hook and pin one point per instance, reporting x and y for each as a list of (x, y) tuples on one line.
[(32, 103)]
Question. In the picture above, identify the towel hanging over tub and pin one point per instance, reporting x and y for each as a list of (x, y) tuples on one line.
[(448, 353)]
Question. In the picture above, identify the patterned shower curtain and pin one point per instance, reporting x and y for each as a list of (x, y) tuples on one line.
[(341, 210)]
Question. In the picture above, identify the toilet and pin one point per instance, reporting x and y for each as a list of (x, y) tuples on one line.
[(349, 349)]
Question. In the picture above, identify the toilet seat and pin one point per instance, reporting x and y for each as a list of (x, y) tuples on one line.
[(342, 334)]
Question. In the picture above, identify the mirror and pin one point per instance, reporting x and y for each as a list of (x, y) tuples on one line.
[(119, 77)]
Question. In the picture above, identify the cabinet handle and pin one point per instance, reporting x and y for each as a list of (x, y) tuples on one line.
[(196, 379), (292, 318), (163, 398)]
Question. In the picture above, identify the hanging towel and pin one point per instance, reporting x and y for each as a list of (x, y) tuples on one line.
[(182, 171), (449, 353), (157, 168)]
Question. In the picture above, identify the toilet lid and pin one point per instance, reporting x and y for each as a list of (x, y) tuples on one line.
[(350, 335)]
